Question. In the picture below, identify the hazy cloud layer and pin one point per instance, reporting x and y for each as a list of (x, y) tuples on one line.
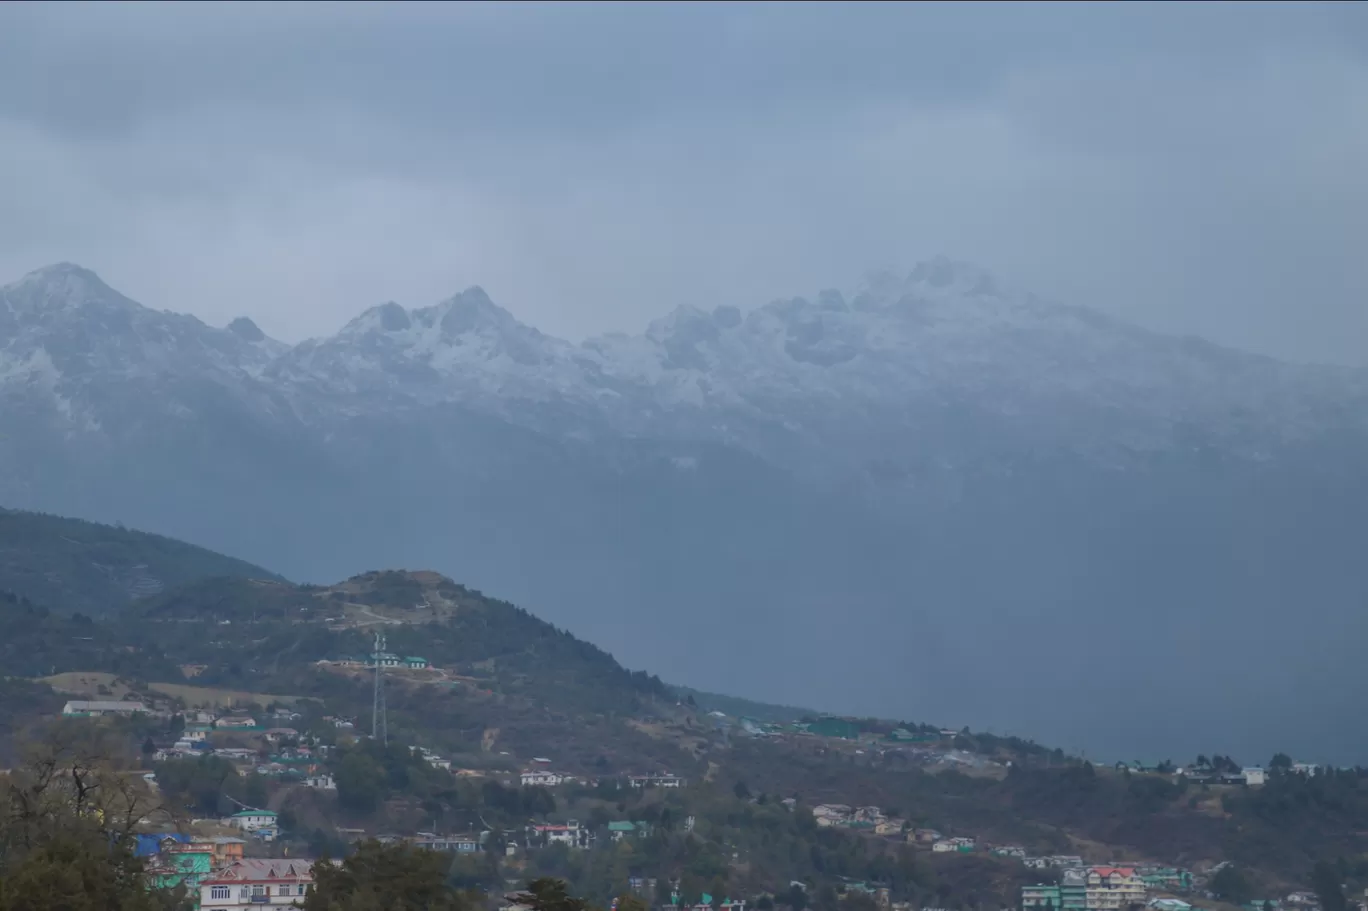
[(1195, 168)]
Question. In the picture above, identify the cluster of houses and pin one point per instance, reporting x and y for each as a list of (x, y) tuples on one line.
[(288, 754), (384, 659), (1103, 888), (217, 876), (1107, 888), (570, 833), (1115, 888), (1251, 776), (539, 775), (1081, 887), (839, 815)]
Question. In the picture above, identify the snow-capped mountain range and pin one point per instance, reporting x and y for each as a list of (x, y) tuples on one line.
[(799, 382), (842, 501)]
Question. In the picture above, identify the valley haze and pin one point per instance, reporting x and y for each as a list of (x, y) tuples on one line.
[(931, 496)]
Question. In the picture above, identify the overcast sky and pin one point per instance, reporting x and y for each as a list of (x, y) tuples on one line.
[(1194, 168)]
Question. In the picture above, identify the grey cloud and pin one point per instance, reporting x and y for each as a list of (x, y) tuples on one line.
[(1193, 167)]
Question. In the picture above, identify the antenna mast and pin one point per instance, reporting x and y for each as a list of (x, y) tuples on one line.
[(378, 727)]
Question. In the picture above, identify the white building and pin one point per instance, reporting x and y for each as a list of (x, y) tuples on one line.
[(663, 780), (832, 814), (1113, 888), (1255, 776), (322, 782), (78, 708), (251, 820), (570, 833), (538, 778), (254, 882), (240, 723)]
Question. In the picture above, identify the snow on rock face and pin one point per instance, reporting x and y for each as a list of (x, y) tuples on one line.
[(465, 346), (85, 339), (892, 364)]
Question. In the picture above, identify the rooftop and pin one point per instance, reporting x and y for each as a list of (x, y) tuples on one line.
[(79, 705), (263, 870)]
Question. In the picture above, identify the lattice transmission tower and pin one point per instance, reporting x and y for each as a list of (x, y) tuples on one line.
[(379, 731)]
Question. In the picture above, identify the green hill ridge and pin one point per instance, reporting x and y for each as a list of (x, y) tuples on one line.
[(95, 569)]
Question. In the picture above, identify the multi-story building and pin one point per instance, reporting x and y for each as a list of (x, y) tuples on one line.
[(569, 833), (1073, 889), (227, 849), (253, 820), (460, 844), (1042, 897), (1172, 879), (255, 882), (1113, 889), (187, 865)]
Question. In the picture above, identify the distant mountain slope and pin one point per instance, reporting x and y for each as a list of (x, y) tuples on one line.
[(931, 496), (242, 629), (738, 707), (36, 642), (84, 567)]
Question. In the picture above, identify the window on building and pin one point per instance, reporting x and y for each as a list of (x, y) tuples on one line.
[(258, 890), (218, 892), (301, 889)]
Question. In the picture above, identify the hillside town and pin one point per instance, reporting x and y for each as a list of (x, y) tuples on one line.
[(227, 861)]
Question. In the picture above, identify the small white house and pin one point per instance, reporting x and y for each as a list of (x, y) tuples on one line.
[(239, 723), (322, 782), (538, 778), (1255, 776), (251, 820)]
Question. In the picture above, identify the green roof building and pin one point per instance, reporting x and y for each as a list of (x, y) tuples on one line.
[(835, 727), (182, 868), (1040, 897)]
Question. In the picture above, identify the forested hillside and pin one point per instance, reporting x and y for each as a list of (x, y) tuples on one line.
[(97, 569)]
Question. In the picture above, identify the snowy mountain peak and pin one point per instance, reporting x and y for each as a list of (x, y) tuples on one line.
[(246, 330), (266, 348), (937, 278), (473, 311), (941, 272), (470, 311), (896, 351), (58, 286), (387, 317)]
